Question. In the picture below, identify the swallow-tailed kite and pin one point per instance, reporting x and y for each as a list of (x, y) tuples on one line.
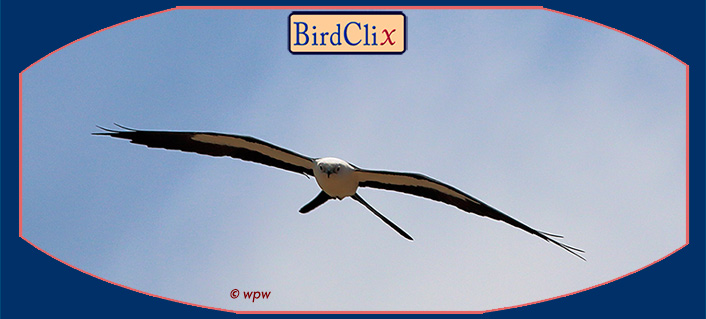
[(337, 178)]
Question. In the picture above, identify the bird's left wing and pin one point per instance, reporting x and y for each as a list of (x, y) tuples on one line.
[(215, 144), (427, 187)]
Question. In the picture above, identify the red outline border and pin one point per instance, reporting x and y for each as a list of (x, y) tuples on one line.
[(356, 8)]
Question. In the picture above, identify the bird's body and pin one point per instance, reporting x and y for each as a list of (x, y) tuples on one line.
[(337, 178)]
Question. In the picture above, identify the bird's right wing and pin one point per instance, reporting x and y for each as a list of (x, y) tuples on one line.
[(216, 144)]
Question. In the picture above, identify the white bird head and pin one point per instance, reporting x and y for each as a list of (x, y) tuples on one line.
[(332, 165)]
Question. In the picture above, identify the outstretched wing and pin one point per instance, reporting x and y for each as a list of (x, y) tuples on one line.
[(215, 144), (427, 187)]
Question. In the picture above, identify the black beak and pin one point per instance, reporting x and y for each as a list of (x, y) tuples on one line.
[(329, 174)]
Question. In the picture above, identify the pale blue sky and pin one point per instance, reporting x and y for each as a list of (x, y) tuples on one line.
[(567, 126)]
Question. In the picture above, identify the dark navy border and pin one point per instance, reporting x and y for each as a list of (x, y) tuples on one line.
[(343, 12), (34, 285)]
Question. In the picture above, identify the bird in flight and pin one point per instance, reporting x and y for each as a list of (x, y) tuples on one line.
[(337, 178)]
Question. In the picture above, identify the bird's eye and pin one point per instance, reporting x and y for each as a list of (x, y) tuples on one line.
[(338, 168), (321, 167)]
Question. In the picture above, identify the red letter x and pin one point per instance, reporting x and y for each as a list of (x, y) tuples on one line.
[(388, 34)]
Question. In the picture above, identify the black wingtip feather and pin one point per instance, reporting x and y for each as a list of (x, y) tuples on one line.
[(573, 250), (106, 131), (551, 235), (491, 212), (125, 127), (112, 132)]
